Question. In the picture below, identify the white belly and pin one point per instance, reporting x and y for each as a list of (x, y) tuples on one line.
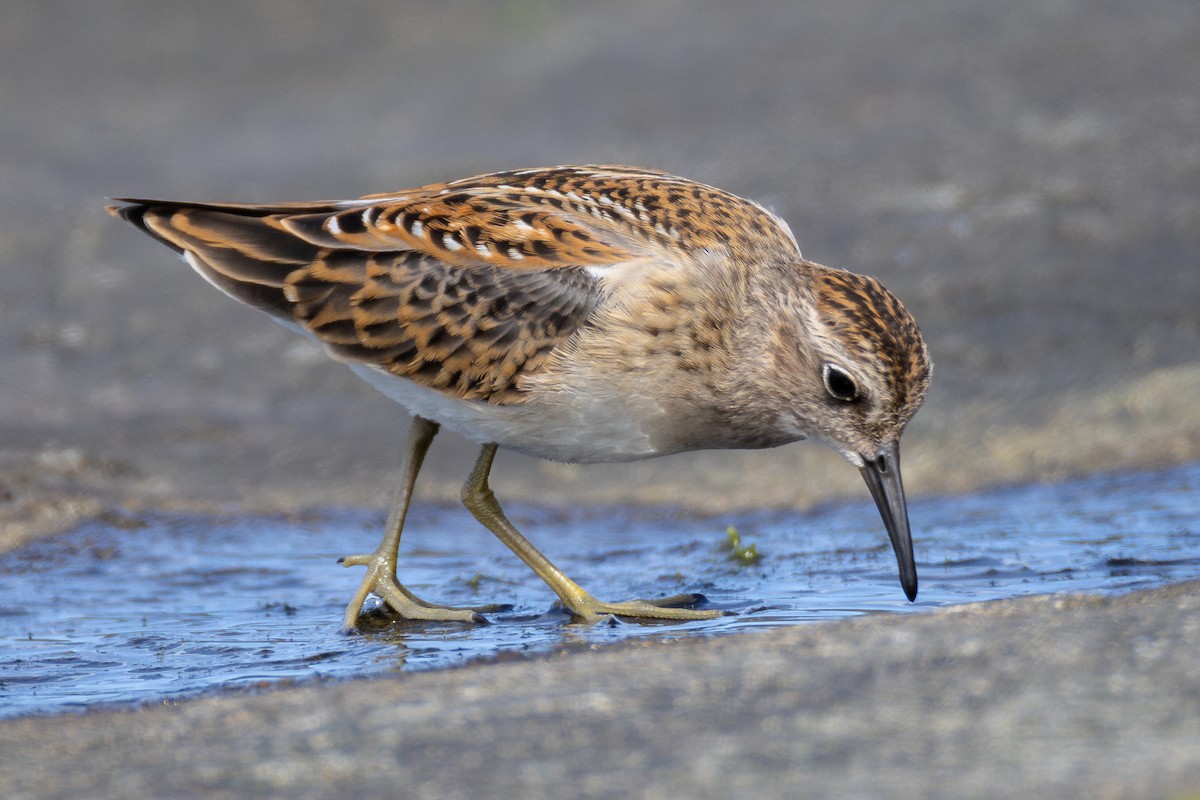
[(574, 427)]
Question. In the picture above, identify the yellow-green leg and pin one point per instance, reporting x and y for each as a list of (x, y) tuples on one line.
[(477, 496), (381, 579)]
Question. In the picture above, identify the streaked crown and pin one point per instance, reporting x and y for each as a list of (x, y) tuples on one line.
[(883, 347)]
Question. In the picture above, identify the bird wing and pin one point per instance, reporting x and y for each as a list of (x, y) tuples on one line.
[(463, 286)]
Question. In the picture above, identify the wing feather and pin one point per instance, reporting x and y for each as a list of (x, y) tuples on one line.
[(463, 286), (467, 331)]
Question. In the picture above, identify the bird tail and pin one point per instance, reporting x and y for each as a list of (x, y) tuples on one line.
[(241, 250)]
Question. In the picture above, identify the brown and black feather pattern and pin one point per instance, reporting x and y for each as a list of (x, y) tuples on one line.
[(465, 286), (470, 331)]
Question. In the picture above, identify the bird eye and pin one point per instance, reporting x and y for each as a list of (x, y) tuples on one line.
[(839, 385)]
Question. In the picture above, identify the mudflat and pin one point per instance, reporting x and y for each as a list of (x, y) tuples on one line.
[(1047, 696), (1025, 176)]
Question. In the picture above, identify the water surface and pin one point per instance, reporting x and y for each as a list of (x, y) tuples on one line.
[(180, 605)]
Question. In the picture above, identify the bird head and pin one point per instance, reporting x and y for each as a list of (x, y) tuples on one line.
[(846, 365)]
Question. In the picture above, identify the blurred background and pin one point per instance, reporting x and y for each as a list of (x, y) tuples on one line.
[(1024, 175)]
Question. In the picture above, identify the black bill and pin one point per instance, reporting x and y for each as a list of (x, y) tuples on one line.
[(882, 475)]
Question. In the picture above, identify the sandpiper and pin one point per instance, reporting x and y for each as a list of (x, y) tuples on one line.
[(579, 314)]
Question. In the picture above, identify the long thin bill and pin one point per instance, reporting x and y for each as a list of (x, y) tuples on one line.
[(882, 475)]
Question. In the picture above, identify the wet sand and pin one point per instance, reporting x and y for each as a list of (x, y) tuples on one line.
[(1025, 176), (1040, 697)]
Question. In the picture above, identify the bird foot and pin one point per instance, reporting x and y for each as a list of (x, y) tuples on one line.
[(380, 581), (677, 607)]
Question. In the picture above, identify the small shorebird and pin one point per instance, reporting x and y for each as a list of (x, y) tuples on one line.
[(579, 314)]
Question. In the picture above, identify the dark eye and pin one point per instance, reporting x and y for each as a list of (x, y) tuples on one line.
[(839, 385)]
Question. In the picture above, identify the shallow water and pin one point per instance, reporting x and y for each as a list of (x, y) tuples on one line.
[(184, 605)]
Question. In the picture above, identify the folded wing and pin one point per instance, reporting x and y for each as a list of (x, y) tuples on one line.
[(462, 287)]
